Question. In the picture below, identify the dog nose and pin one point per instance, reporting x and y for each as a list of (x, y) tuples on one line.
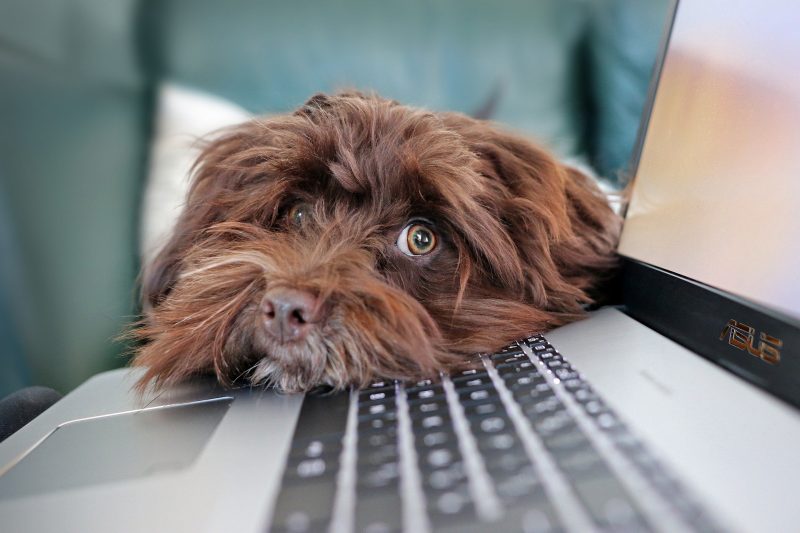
[(289, 314)]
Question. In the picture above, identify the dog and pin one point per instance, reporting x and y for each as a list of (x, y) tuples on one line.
[(358, 238)]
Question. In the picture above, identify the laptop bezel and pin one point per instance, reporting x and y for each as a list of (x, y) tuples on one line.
[(720, 326)]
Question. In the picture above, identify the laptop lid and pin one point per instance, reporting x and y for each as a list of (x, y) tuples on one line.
[(711, 239)]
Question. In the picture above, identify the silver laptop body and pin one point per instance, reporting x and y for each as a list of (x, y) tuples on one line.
[(701, 366)]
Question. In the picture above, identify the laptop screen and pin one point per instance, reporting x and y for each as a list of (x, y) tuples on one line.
[(717, 191)]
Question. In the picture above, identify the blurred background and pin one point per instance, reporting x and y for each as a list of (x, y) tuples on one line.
[(82, 85)]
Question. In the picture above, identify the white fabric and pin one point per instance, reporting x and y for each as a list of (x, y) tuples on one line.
[(184, 116)]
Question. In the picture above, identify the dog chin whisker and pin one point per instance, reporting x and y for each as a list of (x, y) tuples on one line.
[(246, 373), (271, 373)]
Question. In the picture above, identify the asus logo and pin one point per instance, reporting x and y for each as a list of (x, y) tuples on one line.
[(743, 337)]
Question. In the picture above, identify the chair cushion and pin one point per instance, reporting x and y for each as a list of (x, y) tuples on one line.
[(450, 54)]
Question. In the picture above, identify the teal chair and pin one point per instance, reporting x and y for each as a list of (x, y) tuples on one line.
[(78, 80), (13, 370)]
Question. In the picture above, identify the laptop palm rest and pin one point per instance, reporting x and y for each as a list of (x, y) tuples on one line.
[(115, 447), (713, 428)]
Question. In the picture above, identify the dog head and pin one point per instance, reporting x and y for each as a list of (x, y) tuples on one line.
[(358, 238)]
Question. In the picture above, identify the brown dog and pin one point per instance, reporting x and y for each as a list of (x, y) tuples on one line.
[(358, 238)]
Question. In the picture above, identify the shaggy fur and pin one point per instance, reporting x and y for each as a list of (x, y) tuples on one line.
[(523, 241)]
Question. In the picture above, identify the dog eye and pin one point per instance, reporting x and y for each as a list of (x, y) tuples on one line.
[(416, 239), (298, 214)]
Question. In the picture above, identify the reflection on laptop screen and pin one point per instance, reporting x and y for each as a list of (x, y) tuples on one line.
[(718, 181)]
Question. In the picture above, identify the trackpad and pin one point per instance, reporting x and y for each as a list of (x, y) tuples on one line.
[(116, 447)]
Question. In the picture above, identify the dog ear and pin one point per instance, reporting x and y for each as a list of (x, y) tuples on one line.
[(161, 273), (218, 182), (560, 221)]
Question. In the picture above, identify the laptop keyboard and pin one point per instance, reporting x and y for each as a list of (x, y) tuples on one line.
[(518, 442)]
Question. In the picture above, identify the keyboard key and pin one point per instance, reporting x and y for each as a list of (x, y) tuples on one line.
[(497, 442), (533, 392), (567, 439), (330, 446), (381, 476), (376, 407), (380, 385), (531, 514), (445, 479), (469, 372), (473, 383), (378, 455), (492, 424), (540, 348), (377, 394), (376, 439), (378, 512), (425, 393), (377, 424), (439, 457), (433, 421), (387, 415), (470, 375), (475, 395), (432, 439), (549, 423), (609, 505), (479, 410), (510, 349), (515, 357), (422, 409), (511, 368), (318, 467), (513, 486), (544, 405), (452, 502), (504, 461), (523, 379)]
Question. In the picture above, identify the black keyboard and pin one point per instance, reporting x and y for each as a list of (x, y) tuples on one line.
[(518, 442)]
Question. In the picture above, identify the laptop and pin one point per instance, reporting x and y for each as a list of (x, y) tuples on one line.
[(677, 411)]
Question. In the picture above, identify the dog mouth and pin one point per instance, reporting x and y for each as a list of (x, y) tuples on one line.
[(290, 371), (290, 331)]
